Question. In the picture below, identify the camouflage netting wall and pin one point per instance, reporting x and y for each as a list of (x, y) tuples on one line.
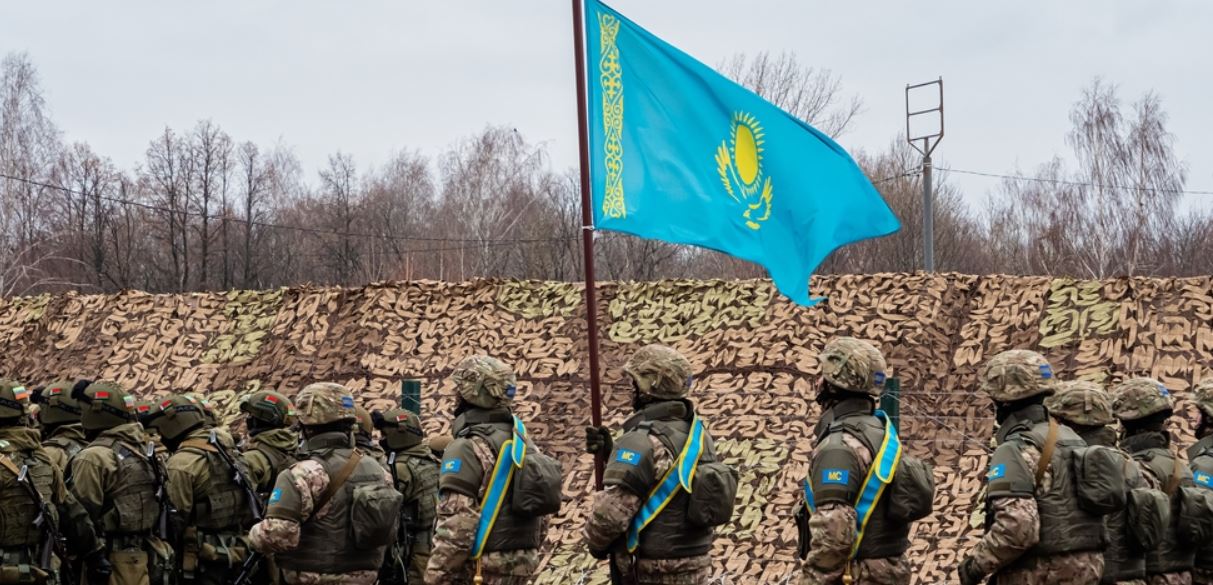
[(752, 349)]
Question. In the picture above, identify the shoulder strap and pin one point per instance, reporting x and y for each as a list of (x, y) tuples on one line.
[(1176, 475), (337, 481), (9, 465), (199, 444), (1046, 453)]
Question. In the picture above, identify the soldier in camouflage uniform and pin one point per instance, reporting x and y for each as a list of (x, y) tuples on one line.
[(272, 443), (1200, 456), (848, 437), (21, 537), (212, 513), (364, 435), (118, 483), (415, 472), (1036, 532), (1087, 408), (307, 524), (1144, 406), (671, 549), (485, 387), (62, 433)]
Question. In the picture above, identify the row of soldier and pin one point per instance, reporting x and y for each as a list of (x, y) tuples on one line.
[(118, 491)]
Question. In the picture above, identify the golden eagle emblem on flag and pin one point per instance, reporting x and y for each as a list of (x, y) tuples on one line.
[(739, 163)]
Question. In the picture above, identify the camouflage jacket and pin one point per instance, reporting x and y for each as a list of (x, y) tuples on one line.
[(267, 454), (64, 443)]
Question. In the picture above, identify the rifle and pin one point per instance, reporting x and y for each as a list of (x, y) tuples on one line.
[(399, 570), (53, 539), (252, 563), (166, 505)]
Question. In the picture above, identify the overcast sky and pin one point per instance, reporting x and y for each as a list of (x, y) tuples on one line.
[(373, 77)]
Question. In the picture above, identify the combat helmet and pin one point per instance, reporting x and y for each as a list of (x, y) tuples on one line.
[(324, 403), (1202, 395), (1139, 398), (401, 428), (175, 416), (363, 424), (106, 405), (853, 365), (484, 381), (58, 406), (1017, 374), (14, 402), (1081, 402), (269, 408), (208, 408), (659, 371)]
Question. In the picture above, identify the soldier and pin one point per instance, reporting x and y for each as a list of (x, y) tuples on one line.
[(364, 431), (1087, 408), (119, 485), (849, 436), (414, 470), (1201, 457), (208, 409), (510, 553), (62, 433), (665, 546), (25, 468), (1036, 531), (1144, 406), (271, 444), (309, 523), (212, 512)]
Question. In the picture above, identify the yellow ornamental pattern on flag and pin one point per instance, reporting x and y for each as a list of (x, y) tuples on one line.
[(739, 164), (611, 79)]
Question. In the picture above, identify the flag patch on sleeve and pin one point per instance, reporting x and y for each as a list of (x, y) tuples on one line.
[(452, 466), (998, 471), (275, 495), (627, 456), (1203, 479)]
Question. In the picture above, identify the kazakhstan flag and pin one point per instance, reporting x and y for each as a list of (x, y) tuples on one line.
[(680, 153)]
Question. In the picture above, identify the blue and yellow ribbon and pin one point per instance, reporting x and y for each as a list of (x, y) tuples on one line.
[(680, 475), (511, 457), (880, 475)]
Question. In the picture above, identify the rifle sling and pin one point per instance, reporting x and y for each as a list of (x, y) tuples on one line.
[(337, 481), (1046, 454), (9, 465)]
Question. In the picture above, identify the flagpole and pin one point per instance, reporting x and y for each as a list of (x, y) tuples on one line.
[(587, 230)]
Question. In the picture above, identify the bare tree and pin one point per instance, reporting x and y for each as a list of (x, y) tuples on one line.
[(339, 188), (811, 94)]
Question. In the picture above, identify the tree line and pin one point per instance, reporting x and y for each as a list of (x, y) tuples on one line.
[(206, 211)]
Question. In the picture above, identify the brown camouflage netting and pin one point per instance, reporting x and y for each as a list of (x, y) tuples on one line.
[(752, 352)]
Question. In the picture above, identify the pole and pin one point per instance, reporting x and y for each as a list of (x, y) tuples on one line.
[(587, 230), (928, 217)]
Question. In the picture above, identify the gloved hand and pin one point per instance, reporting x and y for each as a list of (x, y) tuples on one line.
[(969, 573), (97, 567), (598, 441)]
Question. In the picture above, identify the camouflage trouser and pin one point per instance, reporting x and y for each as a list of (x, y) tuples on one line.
[(1068, 569), (891, 571), (1183, 578), (1202, 576)]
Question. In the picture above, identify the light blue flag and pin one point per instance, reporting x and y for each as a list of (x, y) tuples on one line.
[(680, 153)]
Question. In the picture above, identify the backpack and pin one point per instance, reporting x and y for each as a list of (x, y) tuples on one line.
[(1195, 522), (912, 493), (1148, 516), (713, 492), (538, 486), (1099, 478), (374, 506)]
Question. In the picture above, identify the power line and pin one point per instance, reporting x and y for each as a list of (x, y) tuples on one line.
[(486, 242), (1073, 183)]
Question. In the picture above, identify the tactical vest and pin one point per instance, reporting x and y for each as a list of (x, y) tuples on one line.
[(1201, 457), (132, 506), (421, 503), (883, 537), (69, 445), (512, 531), (1151, 450), (1123, 561), (223, 509), (17, 509), (670, 535), (326, 545), (278, 459), (1064, 526)]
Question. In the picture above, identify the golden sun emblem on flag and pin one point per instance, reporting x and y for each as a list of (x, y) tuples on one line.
[(739, 162)]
